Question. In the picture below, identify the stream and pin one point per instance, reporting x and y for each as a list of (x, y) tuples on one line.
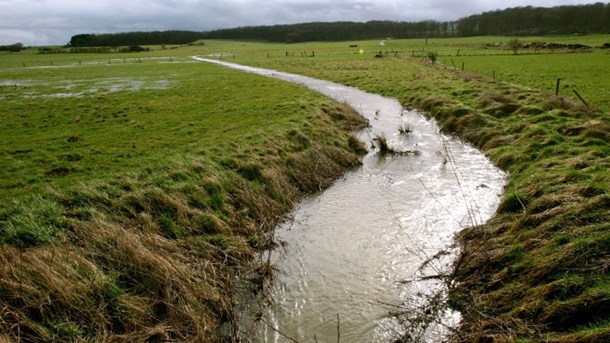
[(352, 254)]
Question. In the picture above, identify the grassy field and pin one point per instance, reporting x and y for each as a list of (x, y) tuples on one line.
[(132, 179), (538, 271), (134, 190), (61, 125), (539, 69)]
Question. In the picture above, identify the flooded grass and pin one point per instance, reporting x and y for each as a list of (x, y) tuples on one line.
[(126, 214), (127, 125)]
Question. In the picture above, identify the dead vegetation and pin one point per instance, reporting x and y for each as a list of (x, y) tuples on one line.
[(538, 271), (158, 256)]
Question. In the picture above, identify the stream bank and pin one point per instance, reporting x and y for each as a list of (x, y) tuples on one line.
[(349, 250), (538, 270)]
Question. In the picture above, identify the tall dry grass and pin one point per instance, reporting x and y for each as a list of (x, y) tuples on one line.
[(158, 256)]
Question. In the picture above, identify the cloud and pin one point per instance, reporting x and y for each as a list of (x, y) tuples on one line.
[(44, 22)]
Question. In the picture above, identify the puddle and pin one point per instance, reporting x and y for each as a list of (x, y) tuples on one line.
[(81, 88)]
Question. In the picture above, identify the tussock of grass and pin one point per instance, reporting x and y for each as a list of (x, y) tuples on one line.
[(405, 129), (383, 145)]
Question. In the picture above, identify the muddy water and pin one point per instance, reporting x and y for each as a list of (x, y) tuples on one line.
[(348, 249)]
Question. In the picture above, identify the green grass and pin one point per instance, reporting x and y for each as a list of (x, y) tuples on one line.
[(577, 71), (110, 179), (133, 192), (537, 70), (60, 125)]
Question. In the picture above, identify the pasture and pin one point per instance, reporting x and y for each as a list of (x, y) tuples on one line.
[(133, 190), (74, 121), (492, 57), (139, 184)]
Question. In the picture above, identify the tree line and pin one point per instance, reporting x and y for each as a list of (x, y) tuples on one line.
[(522, 21), (337, 31), (593, 18), (13, 47), (134, 38), (509, 22)]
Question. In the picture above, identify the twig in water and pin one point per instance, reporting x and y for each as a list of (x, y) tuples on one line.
[(472, 209), (405, 129), (278, 331), (338, 328)]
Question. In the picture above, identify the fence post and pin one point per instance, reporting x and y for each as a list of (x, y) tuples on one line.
[(580, 97)]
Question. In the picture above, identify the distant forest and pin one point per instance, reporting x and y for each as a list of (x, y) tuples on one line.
[(522, 21), (519, 21), (134, 38)]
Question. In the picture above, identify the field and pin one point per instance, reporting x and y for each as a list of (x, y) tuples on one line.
[(112, 157), (133, 117), (133, 191), (536, 69)]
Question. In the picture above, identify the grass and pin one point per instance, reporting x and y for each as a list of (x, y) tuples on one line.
[(536, 272), (575, 74), (61, 140), (533, 69), (134, 192)]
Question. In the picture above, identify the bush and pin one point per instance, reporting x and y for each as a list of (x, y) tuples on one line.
[(17, 47), (514, 45), (134, 48)]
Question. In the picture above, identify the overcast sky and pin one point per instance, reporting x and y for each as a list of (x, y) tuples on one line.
[(53, 22)]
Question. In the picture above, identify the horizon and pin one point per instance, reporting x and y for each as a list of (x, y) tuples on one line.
[(52, 23)]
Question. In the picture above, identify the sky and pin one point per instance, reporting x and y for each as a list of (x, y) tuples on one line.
[(54, 22)]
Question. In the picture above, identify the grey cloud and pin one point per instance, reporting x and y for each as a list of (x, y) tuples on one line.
[(55, 21)]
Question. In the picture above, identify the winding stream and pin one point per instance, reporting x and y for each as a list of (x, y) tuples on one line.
[(349, 248)]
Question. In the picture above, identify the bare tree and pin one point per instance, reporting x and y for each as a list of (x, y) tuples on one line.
[(514, 44)]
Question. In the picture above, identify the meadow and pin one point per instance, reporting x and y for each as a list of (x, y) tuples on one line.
[(137, 185), (133, 190), (65, 123), (537, 69)]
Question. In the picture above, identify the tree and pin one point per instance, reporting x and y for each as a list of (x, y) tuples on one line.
[(514, 44), (17, 47)]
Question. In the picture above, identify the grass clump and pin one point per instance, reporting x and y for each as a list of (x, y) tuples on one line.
[(383, 145), (405, 129)]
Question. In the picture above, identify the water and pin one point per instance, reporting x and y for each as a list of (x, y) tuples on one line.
[(348, 249)]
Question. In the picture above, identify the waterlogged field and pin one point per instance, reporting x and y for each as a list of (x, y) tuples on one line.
[(73, 123), (134, 189)]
